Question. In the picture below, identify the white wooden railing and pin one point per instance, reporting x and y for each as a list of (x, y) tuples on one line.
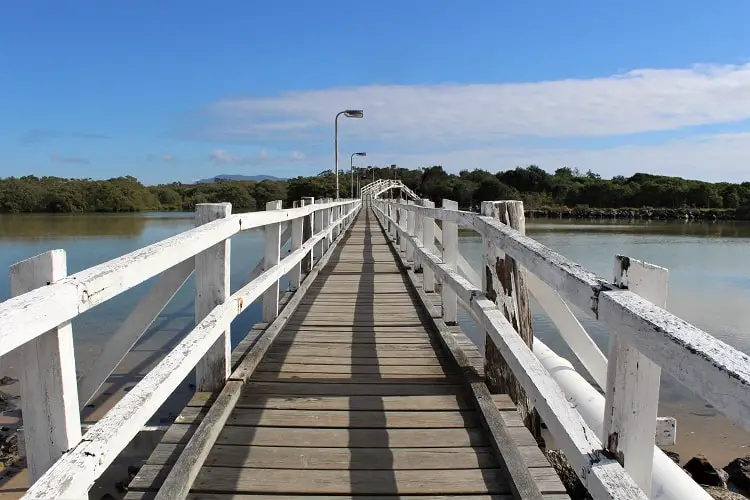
[(35, 326), (378, 187), (645, 340)]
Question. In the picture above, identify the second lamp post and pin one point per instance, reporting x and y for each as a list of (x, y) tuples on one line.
[(351, 167), (349, 113)]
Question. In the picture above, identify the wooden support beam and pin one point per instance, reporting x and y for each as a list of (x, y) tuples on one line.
[(411, 231), (211, 290), (185, 470), (318, 227), (49, 394), (419, 236), (450, 259), (307, 232), (297, 235), (632, 389), (428, 240), (75, 471), (272, 256), (504, 284), (130, 331)]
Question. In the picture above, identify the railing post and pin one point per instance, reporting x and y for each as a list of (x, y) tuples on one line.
[(271, 257), (419, 236), (318, 223), (450, 259), (428, 232), (402, 224), (212, 289), (389, 210), (339, 212), (325, 224), (295, 275), (410, 230), (504, 283), (632, 392), (47, 372), (307, 231)]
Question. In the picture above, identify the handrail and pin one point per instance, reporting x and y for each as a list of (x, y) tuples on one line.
[(378, 187), (73, 474), (604, 477), (27, 316), (709, 367)]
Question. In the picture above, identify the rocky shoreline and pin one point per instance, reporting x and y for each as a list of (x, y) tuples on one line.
[(645, 213), (730, 483)]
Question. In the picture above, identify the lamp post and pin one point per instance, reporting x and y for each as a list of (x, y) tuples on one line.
[(351, 168), (349, 113)]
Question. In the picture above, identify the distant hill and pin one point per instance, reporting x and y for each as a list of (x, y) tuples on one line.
[(227, 177)]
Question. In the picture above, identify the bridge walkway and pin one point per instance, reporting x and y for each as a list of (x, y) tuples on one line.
[(355, 397)]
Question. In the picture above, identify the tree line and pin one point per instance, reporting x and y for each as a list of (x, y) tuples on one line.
[(539, 190)]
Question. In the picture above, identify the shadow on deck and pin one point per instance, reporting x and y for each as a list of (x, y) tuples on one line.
[(355, 397)]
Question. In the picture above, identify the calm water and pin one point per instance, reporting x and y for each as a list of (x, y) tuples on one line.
[(92, 239), (709, 280)]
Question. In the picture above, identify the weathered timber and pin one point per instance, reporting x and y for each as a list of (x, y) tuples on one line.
[(328, 395), (307, 232), (602, 476), (271, 257), (521, 482), (712, 369), (131, 330), (49, 395), (504, 282), (185, 470), (72, 475), (632, 390), (211, 290)]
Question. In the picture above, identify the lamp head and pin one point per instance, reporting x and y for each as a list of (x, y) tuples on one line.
[(360, 154), (354, 113)]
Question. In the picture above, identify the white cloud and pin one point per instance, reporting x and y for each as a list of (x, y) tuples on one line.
[(224, 157), (167, 158), (641, 100), (492, 126), (262, 157), (719, 157)]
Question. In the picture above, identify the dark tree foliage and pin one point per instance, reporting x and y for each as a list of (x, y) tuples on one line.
[(567, 187)]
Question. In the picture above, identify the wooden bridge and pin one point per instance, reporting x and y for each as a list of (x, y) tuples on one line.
[(359, 381)]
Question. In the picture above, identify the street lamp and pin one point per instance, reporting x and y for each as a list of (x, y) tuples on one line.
[(351, 168), (349, 113)]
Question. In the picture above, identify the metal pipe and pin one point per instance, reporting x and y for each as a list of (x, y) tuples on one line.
[(669, 481)]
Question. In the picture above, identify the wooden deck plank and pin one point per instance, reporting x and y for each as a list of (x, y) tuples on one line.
[(335, 438), (396, 388), (352, 351), (354, 397), (285, 457), (339, 419), (346, 338), (358, 402), (140, 495), (336, 482), (348, 360), (382, 370), (347, 378)]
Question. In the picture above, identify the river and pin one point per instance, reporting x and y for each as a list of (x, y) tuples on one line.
[(709, 286)]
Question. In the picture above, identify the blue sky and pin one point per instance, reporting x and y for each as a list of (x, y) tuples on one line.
[(184, 90)]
